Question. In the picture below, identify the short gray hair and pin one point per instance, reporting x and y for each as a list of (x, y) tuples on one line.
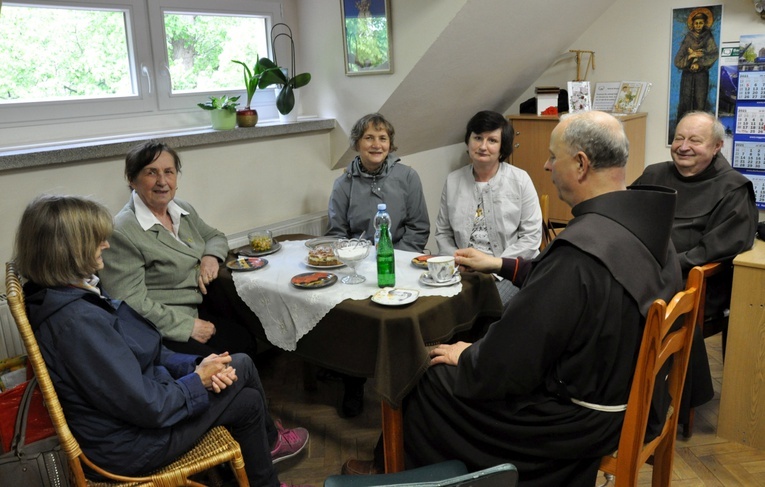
[(606, 145)]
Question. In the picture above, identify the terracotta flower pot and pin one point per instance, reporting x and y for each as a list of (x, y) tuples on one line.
[(246, 117)]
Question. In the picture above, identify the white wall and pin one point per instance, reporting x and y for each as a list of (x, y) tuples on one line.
[(331, 93), (234, 186), (633, 43)]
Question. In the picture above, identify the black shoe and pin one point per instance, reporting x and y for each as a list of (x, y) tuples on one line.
[(328, 375), (353, 397)]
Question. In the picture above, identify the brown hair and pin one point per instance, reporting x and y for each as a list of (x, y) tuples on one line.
[(489, 121), (57, 239), (144, 154), (375, 120)]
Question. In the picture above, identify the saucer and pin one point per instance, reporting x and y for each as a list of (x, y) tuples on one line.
[(389, 296), (247, 251), (429, 281)]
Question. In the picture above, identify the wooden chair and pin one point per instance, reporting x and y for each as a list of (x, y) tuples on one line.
[(547, 232), (660, 342), (709, 327), (216, 447)]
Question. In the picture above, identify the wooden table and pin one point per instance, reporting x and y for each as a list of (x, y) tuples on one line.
[(362, 338), (742, 403)]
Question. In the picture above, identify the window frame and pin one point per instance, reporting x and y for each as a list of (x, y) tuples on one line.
[(146, 52), (157, 8), (135, 12)]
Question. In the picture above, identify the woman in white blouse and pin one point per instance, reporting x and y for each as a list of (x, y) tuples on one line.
[(489, 205)]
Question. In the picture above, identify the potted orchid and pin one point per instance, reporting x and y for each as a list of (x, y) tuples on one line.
[(288, 82)]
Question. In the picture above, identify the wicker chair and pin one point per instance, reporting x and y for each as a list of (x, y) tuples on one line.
[(216, 447), (657, 346)]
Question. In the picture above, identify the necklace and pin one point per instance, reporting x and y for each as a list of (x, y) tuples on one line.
[(479, 198)]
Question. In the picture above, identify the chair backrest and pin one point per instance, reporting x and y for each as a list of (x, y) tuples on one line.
[(668, 334), (216, 447), (709, 270), (547, 232), (504, 475)]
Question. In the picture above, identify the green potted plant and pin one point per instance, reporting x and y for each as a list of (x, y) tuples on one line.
[(222, 111), (248, 117), (274, 74)]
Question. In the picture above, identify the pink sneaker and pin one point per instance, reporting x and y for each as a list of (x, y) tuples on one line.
[(289, 443)]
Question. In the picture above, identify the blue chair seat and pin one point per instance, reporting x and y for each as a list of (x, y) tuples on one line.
[(445, 474)]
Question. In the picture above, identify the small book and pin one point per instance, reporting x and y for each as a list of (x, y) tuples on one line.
[(579, 96), (604, 97), (630, 96)]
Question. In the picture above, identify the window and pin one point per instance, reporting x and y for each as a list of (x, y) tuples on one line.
[(198, 45), (74, 60), (86, 56)]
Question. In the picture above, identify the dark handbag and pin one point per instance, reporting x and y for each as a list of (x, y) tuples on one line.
[(41, 463)]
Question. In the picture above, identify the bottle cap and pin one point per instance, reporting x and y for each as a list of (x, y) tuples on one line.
[(381, 206)]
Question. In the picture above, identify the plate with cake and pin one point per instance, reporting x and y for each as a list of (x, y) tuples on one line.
[(313, 280), (246, 264), (421, 261), (322, 257)]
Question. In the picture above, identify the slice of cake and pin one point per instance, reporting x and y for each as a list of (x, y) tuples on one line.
[(322, 256)]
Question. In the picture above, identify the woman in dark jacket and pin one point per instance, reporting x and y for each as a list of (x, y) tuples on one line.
[(133, 405)]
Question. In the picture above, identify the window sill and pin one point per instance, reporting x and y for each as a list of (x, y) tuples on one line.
[(76, 151)]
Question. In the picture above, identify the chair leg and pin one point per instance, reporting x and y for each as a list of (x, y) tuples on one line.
[(688, 427), (309, 378), (237, 465), (663, 458)]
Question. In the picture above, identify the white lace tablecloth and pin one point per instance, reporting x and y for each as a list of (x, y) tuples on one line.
[(287, 313)]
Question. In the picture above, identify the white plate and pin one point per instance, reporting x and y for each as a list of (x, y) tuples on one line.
[(315, 242), (391, 296), (312, 266), (429, 281)]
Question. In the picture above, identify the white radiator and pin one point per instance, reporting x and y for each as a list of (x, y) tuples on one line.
[(10, 341), (310, 224)]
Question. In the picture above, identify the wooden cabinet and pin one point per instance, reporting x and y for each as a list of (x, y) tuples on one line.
[(742, 412), (531, 148)]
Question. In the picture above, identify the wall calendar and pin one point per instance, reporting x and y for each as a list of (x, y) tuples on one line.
[(748, 155)]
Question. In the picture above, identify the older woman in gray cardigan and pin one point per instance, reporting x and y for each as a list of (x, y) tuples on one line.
[(164, 259)]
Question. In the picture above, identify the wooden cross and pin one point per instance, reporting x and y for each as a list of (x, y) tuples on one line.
[(590, 62)]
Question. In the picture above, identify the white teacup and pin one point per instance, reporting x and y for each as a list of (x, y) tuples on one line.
[(441, 268)]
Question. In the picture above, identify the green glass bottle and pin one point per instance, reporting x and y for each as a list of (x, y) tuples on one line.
[(386, 263)]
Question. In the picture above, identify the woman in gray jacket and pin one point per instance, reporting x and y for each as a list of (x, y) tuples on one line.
[(376, 176)]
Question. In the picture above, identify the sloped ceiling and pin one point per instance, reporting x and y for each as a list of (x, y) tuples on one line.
[(490, 53)]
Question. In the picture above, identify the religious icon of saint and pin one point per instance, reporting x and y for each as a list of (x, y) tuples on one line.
[(696, 55)]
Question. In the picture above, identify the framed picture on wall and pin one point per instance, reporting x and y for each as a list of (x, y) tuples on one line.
[(366, 36), (694, 60)]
